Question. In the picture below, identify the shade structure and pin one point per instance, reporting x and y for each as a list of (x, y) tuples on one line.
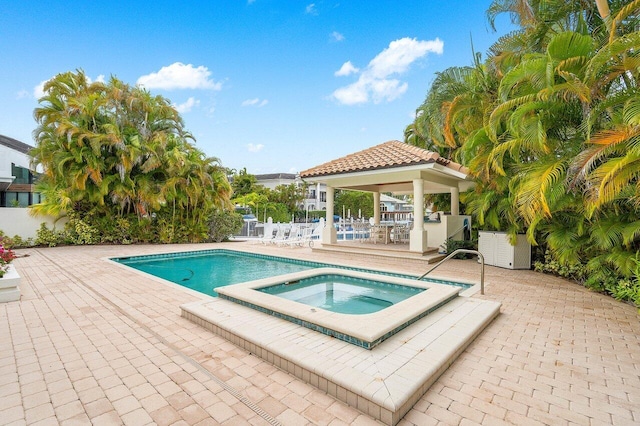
[(394, 167)]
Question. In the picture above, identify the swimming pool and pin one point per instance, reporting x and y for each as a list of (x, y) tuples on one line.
[(343, 294), (206, 270)]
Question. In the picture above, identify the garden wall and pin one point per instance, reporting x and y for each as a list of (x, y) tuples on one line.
[(18, 221)]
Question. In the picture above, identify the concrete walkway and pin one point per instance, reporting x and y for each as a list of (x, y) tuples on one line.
[(92, 342)]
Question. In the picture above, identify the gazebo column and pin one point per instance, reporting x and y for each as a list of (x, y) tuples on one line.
[(418, 236), (376, 208), (455, 201), (329, 233)]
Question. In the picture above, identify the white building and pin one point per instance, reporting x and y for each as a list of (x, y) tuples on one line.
[(16, 177), (394, 209), (272, 180), (316, 196)]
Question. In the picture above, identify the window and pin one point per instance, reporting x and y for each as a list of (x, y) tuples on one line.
[(23, 176), (323, 196)]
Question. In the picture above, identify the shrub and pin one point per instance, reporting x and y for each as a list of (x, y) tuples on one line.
[(224, 224), (15, 242), (573, 271), (452, 245), (49, 237), (80, 232)]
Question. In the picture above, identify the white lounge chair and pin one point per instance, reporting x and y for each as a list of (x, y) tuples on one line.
[(276, 233), (303, 236), (290, 236)]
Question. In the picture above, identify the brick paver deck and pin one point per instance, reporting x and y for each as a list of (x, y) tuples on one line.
[(91, 342)]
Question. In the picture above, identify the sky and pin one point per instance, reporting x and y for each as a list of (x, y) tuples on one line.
[(272, 86)]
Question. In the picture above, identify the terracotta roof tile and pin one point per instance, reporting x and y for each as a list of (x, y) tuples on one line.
[(386, 155)]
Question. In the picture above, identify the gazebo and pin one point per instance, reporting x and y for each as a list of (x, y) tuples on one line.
[(398, 168)]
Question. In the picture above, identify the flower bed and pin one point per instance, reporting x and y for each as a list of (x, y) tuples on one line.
[(9, 278)]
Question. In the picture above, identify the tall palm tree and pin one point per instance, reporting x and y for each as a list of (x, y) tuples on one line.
[(112, 149)]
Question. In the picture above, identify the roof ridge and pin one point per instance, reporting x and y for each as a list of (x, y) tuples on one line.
[(390, 154), (15, 144)]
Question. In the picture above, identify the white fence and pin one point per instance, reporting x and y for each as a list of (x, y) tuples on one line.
[(18, 221)]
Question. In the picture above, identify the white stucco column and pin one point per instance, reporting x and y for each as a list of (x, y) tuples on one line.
[(318, 200), (376, 208), (455, 201), (418, 236), (329, 233)]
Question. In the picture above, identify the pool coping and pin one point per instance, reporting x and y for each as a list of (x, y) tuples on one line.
[(364, 330), (384, 382)]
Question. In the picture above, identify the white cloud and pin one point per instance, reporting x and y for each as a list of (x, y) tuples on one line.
[(346, 69), (38, 91), (311, 9), (356, 93), (401, 54), (179, 76), (336, 36), (187, 106), (374, 82), (23, 94), (255, 148), (255, 102)]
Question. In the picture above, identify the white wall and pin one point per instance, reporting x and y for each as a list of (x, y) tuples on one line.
[(9, 156), (18, 221)]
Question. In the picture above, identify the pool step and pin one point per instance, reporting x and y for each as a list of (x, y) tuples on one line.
[(384, 382), (384, 251)]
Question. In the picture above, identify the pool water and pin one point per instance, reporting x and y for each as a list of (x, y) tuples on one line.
[(206, 271), (343, 294)]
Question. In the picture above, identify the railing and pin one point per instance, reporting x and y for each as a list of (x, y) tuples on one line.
[(453, 253)]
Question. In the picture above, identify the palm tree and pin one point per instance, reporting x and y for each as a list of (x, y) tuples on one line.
[(109, 149)]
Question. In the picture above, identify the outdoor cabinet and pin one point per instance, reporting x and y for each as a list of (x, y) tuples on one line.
[(498, 251)]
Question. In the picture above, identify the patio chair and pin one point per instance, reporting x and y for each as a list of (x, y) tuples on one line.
[(303, 237), (284, 231), (400, 233), (378, 234), (290, 236), (360, 231), (267, 238)]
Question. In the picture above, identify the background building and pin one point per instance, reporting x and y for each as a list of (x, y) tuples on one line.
[(16, 177)]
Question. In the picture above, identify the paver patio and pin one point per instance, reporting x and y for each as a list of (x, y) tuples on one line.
[(92, 342)]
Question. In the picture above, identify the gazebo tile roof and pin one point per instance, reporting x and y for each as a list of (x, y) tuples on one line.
[(386, 155)]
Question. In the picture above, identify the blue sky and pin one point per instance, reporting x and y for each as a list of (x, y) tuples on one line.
[(273, 86)]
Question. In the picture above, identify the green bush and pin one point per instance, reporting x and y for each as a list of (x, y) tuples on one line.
[(49, 237), (452, 245), (224, 224), (573, 271), (79, 232), (604, 279), (15, 242)]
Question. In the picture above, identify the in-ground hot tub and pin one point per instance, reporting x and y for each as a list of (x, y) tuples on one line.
[(377, 306)]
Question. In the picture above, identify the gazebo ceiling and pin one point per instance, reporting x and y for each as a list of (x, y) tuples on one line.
[(391, 167)]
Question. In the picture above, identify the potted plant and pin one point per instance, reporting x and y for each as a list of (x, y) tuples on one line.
[(9, 278)]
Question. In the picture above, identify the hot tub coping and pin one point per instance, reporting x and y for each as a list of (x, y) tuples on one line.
[(364, 330)]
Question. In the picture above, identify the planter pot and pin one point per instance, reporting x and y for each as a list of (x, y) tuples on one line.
[(10, 286)]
